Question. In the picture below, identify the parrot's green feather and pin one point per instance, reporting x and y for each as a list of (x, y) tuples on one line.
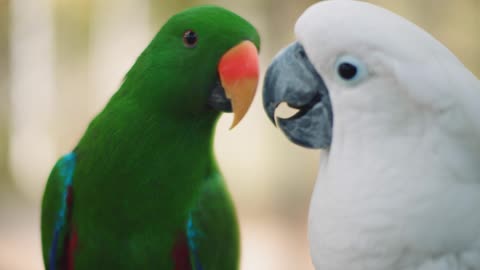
[(215, 204), (145, 165)]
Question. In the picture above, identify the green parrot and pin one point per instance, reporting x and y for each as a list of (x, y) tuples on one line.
[(142, 190)]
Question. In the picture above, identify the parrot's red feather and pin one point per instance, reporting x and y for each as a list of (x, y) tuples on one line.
[(181, 253), (70, 250), (71, 240)]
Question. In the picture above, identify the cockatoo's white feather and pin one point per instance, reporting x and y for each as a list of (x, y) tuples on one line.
[(399, 188)]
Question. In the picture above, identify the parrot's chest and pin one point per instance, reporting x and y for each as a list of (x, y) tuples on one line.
[(160, 228), (396, 223)]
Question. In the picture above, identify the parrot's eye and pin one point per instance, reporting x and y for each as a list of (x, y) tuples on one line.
[(350, 70), (190, 39)]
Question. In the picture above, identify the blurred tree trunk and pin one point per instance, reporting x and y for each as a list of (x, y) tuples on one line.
[(4, 93), (32, 94)]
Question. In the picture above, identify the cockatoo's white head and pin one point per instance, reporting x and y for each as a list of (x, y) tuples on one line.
[(374, 66)]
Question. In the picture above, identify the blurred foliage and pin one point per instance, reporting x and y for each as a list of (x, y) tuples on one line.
[(4, 97)]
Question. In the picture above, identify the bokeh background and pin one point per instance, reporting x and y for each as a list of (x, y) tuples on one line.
[(60, 60)]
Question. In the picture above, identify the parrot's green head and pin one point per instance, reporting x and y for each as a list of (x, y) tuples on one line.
[(204, 60)]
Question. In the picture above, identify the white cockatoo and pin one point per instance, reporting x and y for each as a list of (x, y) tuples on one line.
[(399, 118)]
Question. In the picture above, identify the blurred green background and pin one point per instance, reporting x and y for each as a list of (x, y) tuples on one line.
[(60, 60)]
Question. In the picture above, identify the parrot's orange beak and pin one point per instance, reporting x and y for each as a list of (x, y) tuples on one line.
[(239, 70)]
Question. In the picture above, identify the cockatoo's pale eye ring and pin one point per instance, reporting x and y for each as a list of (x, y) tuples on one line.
[(350, 70), (190, 39)]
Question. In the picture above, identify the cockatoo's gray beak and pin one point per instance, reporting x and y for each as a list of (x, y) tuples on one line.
[(291, 78)]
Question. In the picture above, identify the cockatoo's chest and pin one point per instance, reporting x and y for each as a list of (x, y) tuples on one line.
[(378, 218)]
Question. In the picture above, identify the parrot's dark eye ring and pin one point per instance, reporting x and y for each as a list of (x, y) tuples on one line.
[(190, 39)]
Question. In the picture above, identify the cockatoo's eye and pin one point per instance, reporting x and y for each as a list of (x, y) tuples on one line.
[(190, 39), (347, 71), (350, 70)]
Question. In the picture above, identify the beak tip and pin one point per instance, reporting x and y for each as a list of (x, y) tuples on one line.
[(272, 119), (270, 109), (234, 124)]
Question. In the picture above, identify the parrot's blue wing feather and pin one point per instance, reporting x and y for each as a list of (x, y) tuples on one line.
[(56, 210), (192, 234)]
